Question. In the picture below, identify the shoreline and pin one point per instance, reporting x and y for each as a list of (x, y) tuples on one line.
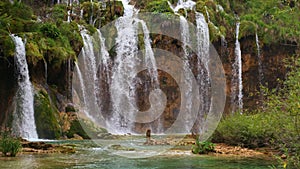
[(184, 146)]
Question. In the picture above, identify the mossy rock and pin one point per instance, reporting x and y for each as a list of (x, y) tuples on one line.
[(46, 116), (85, 128)]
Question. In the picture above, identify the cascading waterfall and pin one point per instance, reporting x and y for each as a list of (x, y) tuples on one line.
[(104, 55), (23, 121), (260, 68), (237, 81), (124, 71), (151, 66), (84, 99), (185, 35), (122, 80), (203, 44), (87, 74)]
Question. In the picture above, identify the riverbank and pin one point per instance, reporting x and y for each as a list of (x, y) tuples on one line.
[(175, 144)]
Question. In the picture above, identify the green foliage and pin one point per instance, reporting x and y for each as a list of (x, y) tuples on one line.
[(284, 106), (50, 30), (158, 7), (277, 124), (275, 21), (59, 12), (9, 146), (7, 46), (246, 130), (203, 147)]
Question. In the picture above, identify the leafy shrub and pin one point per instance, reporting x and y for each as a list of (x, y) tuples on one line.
[(9, 146), (50, 30), (203, 147), (276, 125), (246, 130)]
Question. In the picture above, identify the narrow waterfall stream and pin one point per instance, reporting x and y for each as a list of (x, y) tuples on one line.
[(23, 121), (237, 81)]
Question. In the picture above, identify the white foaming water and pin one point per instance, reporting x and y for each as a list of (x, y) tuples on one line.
[(23, 121), (181, 4), (202, 39), (122, 87), (187, 81), (125, 69), (104, 55), (203, 44), (86, 109), (237, 81), (87, 74)]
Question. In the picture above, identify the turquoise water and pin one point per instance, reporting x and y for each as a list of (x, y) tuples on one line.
[(90, 157)]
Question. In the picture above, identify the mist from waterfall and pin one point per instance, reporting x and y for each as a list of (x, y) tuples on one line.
[(23, 117)]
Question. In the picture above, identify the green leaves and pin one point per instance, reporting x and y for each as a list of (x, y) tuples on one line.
[(203, 147), (50, 30), (9, 146)]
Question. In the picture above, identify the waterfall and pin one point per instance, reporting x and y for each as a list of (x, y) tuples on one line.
[(208, 17), (203, 77), (187, 81), (260, 68), (126, 65), (87, 75), (92, 13), (189, 4), (237, 81), (23, 121), (123, 72), (46, 70), (85, 98), (104, 55)]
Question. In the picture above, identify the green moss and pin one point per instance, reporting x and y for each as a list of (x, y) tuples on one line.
[(59, 12), (46, 116), (247, 28), (50, 30), (158, 6), (214, 32), (76, 128), (72, 33), (84, 128)]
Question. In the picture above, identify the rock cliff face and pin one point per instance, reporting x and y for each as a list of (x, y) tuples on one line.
[(7, 89)]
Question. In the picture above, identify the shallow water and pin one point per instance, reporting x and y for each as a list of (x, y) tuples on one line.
[(95, 156)]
